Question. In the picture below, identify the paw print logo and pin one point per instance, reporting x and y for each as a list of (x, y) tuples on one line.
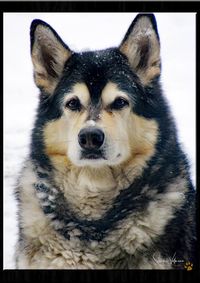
[(188, 266)]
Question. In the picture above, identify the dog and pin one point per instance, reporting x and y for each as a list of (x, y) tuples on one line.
[(106, 184)]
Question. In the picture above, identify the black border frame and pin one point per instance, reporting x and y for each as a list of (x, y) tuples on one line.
[(108, 276)]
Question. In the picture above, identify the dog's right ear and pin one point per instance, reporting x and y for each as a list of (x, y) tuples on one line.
[(49, 54), (141, 46)]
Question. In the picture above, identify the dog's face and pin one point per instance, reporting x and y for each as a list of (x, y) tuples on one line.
[(99, 130), (91, 102)]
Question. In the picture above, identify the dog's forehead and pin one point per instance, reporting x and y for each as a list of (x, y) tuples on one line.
[(97, 69), (95, 72)]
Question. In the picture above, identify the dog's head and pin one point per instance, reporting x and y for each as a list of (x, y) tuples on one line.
[(93, 105)]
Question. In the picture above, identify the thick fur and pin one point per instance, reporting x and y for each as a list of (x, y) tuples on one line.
[(132, 204)]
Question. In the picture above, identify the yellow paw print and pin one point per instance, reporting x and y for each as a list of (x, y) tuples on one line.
[(188, 265)]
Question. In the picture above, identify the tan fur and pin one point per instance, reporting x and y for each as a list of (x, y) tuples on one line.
[(80, 91), (55, 137), (143, 135), (111, 92)]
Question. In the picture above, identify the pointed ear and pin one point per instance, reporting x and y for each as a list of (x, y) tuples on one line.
[(142, 47), (49, 54)]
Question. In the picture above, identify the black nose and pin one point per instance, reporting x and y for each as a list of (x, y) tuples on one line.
[(91, 138)]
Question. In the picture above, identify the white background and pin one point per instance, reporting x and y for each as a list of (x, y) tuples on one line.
[(84, 31)]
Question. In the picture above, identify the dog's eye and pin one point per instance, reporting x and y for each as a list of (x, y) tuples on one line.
[(73, 104), (119, 103)]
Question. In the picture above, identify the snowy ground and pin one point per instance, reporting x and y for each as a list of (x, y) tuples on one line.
[(83, 31)]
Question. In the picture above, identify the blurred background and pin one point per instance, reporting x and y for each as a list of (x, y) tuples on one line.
[(81, 32)]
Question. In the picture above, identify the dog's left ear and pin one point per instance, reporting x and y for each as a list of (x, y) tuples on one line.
[(141, 46)]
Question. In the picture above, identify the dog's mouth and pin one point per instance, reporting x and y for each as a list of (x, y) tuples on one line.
[(92, 154)]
